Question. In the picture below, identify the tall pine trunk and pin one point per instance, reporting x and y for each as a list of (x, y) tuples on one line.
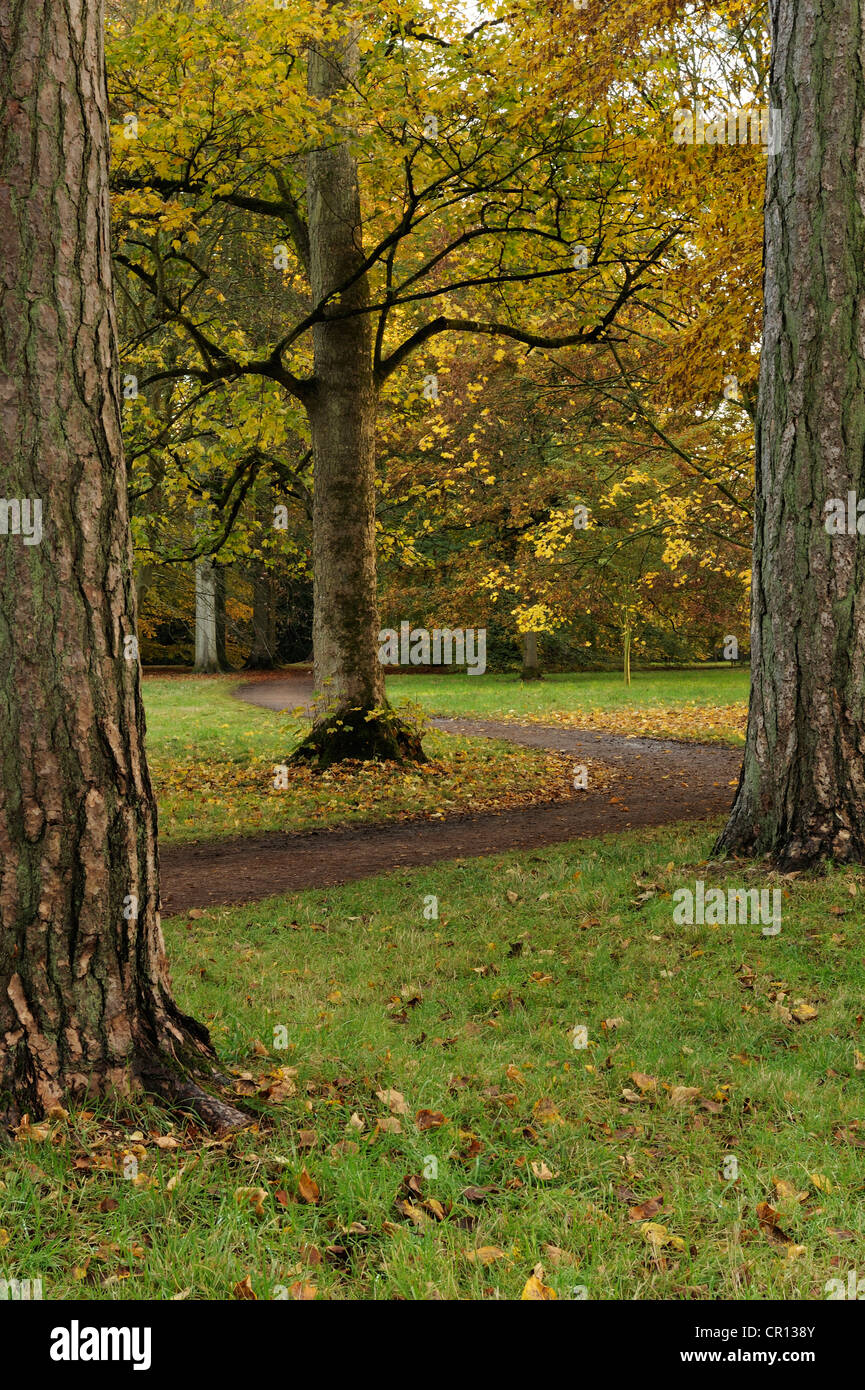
[(801, 795), (85, 999), (349, 678)]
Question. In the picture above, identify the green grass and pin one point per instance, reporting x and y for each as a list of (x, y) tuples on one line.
[(212, 759), (212, 756), (473, 1016), (494, 696)]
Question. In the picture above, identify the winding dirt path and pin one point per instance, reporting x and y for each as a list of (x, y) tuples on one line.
[(661, 781)]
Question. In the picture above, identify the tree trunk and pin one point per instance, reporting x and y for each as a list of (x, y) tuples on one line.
[(349, 678), (531, 667), (626, 656), (221, 632), (206, 605), (801, 795), (85, 998), (263, 623)]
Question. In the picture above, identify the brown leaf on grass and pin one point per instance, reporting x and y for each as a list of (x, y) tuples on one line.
[(307, 1188), (476, 1194), (683, 1095), (768, 1219), (557, 1256), (547, 1112), (485, 1255), (644, 1083), (646, 1210), (244, 1290), (389, 1125), (107, 1204), (278, 1091), (542, 1172), (306, 1138), (787, 1191), (303, 1293), (414, 1212), (394, 1100), (803, 1012), (251, 1196), (429, 1119)]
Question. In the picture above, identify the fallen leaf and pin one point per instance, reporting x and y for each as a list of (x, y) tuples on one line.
[(646, 1209), (389, 1125), (307, 1188), (485, 1254), (254, 1196), (542, 1172), (535, 1290), (429, 1119), (394, 1101), (682, 1095)]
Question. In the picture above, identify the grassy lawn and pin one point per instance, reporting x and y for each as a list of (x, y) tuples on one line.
[(212, 759), (433, 1131), (706, 705)]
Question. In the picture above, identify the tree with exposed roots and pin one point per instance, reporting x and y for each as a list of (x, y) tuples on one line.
[(86, 1006)]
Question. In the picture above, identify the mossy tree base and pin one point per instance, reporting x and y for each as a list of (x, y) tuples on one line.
[(363, 735), (788, 847)]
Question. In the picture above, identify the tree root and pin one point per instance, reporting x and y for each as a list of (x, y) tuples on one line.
[(363, 735)]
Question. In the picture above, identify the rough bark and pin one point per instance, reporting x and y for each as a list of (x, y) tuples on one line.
[(349, 678), (85, 998), (531, 667), (801, 796)]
